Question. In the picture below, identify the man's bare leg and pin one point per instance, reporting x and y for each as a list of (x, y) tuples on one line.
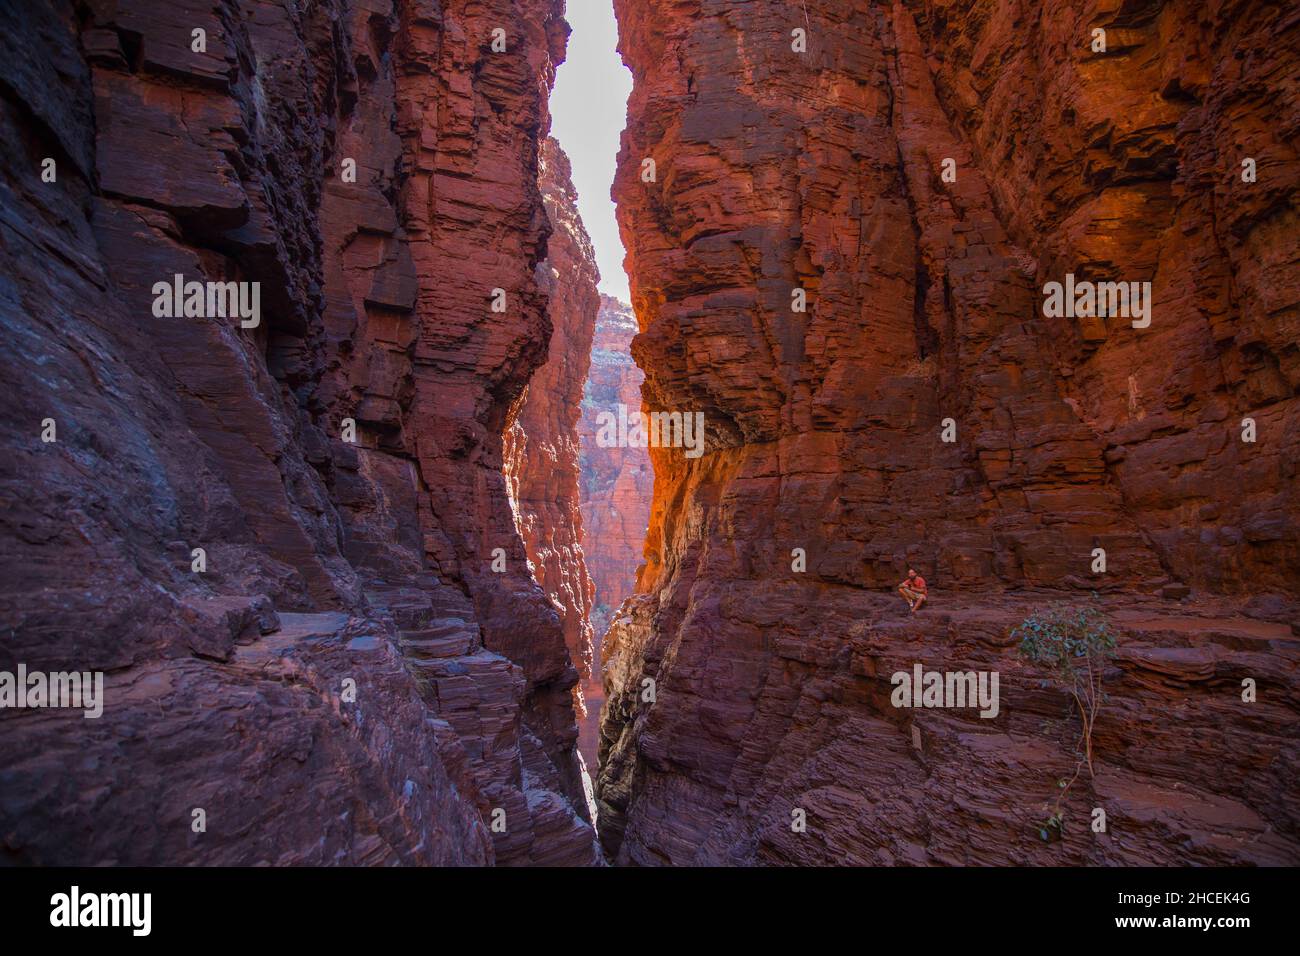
[(906, 596), (920, 599)]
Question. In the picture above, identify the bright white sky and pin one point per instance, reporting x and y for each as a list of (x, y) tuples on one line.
[(588, 111)]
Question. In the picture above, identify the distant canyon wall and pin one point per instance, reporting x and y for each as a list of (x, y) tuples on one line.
[(615, 494), (616, 482)]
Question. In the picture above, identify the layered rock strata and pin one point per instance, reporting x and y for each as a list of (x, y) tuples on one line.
[(277, 537), (841, 260), (542, 445)]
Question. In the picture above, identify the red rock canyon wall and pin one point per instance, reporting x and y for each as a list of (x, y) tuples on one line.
[(778, 170), (542, 446), (348, 679)]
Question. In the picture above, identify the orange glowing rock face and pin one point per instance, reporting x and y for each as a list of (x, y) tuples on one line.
[(841, 259)]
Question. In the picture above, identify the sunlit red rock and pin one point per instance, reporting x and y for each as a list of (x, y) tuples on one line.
[(777, 171)]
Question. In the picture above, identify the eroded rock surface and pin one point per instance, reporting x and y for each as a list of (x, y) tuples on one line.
[(328, 562), (822, 171), (542, 445)]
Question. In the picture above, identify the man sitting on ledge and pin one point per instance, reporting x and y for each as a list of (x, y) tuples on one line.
[(913, 590)]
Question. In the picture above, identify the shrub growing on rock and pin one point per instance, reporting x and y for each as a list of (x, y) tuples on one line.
[(1074, 643)]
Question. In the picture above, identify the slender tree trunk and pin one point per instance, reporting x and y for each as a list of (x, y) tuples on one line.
[(1087, 732)]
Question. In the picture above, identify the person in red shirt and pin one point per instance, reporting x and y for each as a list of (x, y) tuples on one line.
[(913, 589)]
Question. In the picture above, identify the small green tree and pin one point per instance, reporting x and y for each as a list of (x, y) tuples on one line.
[(1074, 643)]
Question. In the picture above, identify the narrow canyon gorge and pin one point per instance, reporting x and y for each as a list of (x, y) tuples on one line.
[(366, 582), (615, 494)]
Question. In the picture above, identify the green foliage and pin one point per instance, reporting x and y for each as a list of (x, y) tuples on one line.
[(1073, 643), (1053, 827), (1065, 639)]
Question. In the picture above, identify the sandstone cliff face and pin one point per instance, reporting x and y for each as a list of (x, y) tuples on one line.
[(542, 446), (778, 170), (348, 681), (616, 486)]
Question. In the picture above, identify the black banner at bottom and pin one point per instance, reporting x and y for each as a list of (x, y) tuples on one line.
[(335, 906)]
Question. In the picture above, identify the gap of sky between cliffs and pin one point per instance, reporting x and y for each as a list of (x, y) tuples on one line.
[(588, 112)]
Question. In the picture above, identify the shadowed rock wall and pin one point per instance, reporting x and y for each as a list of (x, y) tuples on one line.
[(348, 680)]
